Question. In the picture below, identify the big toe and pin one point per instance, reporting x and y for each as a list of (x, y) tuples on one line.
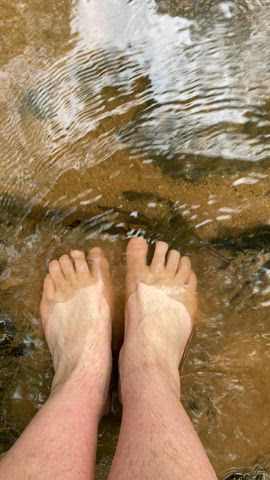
[(159, 257), (184, 270), (192, 281), (100, 270), (99, 264), (137, 253), (81, 266)]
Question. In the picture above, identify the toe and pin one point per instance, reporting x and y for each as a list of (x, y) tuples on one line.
[(137, 253), (49, 287), (98, 263), (57, 274), (158, 261), (100, 271), (192, 281), (81, 265), (67, 267), (173, 262), (184, 269)]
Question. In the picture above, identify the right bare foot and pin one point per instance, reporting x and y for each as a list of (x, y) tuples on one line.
[(161, 306), (76, 315)]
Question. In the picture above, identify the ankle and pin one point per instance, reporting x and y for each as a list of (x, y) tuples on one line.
[(82, 384), (148, 386), (145, 374), (89, 364)]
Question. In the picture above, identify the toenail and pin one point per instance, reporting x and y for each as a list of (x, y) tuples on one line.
[(96, 252), (186, 261), (138, 244), (162, 244), (64, 258), (138, 240), (76, 253), (54, 265)]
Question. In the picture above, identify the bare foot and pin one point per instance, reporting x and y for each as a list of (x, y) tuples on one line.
[(76, 315), (161, 306)]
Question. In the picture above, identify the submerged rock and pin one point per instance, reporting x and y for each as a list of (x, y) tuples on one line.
[(257, 238), (7, 329), (244, 475), (7, 438)]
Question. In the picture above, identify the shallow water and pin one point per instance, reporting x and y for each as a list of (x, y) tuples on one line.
[(122, 118)]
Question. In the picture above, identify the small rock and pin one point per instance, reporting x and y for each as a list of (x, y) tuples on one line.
[(7, 329)]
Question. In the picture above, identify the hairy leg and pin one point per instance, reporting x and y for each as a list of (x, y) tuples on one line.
[(60, 442), (157, 439)]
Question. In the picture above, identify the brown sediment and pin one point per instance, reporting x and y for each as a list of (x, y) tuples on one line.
[(221, 208)]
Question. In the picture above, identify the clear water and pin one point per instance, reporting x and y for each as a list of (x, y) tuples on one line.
[(123, 117)]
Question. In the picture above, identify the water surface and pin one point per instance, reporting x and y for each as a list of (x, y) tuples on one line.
[(121, 118)]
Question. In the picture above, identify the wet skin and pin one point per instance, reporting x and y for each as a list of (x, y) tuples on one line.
[(77, 303)]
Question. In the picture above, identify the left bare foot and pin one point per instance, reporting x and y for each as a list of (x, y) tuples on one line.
[(76, 315)]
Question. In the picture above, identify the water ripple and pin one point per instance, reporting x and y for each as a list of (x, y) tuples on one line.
[(143, 117)]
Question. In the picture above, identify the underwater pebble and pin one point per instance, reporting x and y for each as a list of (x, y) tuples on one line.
[(7, 329), (206, 222), (223, 217), (245, 181)]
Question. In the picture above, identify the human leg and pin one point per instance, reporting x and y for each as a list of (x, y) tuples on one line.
[(157, 439), (60, 442)]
